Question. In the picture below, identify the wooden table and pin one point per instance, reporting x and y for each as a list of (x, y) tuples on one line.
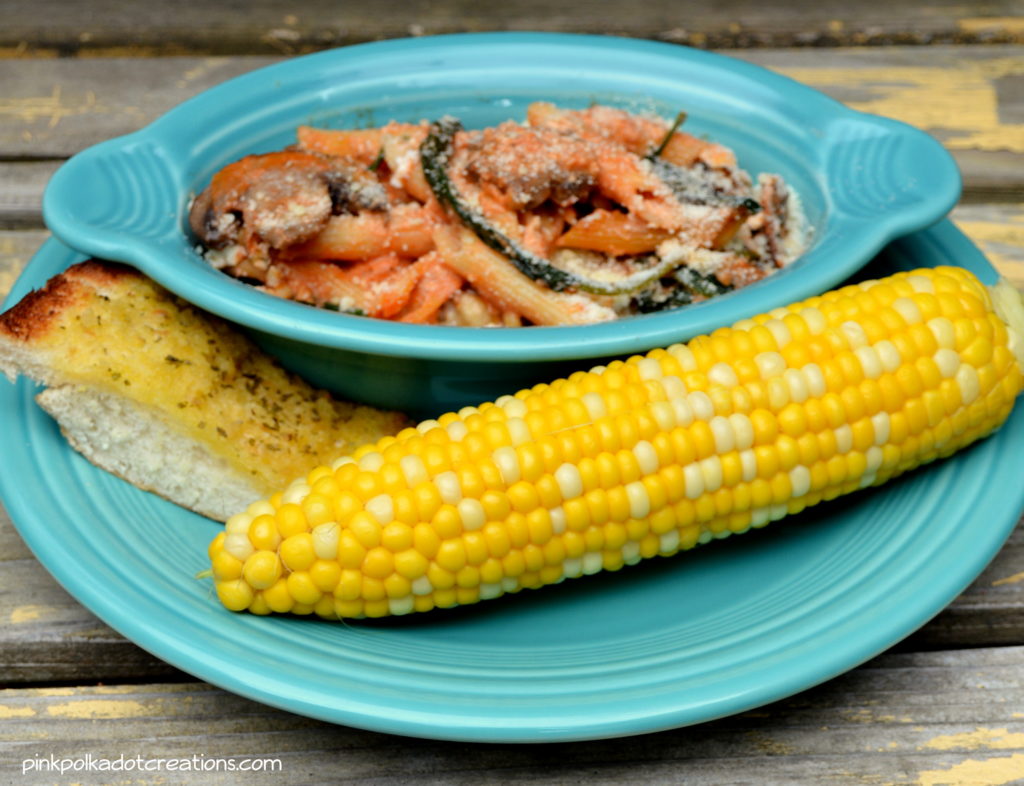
[(946, 706)]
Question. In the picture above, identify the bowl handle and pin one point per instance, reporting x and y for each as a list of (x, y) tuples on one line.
[(884, 170), (113, 199)]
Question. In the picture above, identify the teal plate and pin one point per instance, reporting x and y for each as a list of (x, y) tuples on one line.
[(862, 179), (719, 630)]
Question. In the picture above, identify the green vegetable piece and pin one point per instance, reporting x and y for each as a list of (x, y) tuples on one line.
[(435, 155)]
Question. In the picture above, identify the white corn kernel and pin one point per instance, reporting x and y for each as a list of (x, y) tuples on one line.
[(325, 540), (888, 355), (518, 431), (723, 374), (815, 379), (769, 364), (882, 425), (711, 470), (921, 283), (682, 410), (649, 368), (260, 508), (855, 335), (399, 606), (514, 407), (490, 591), (694, 481), (814, 319), (943, 330), (239, 523), (595, 404), (457, 431), (631, 552), (592, 563), (639, 500), (381, 507), (684, 356), (646, 457), (778, 393), (797, 385), (572, 568), (669, 542), (239, 546), (340, 462), (701, 404), (422, 586), (968, 382), (947, 360), (414, 469), (748, 461), (673, 386), (295, 493), (742, 430), (558, 519), (869, 361), (662, 412), (448, 487), (427, 425), (844, 438), (507, 461), (472, 514), (569, 481), (907, 309), (721, 430), (800, 479)]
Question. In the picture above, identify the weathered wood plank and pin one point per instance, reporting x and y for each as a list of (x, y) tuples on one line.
[(16, 248), (60, 28), (21, 193), (972, 99), (951, 717)]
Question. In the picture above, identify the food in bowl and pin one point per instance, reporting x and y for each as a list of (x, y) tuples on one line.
[(638, 458), (573, 217)]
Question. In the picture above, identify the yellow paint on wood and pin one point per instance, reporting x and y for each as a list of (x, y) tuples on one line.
[(979, 739), (99, 709), (29, 613), (973, 772), (52, 108), (958, 103), (1014, 579), (15, 712), (1002, 242), (1014, 25)]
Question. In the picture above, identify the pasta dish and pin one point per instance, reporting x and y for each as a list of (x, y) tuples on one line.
[(571, 217)]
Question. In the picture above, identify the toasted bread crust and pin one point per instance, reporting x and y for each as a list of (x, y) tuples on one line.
[(38, 312), (105, 330)]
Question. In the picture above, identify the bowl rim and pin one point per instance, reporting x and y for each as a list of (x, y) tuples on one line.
[(853, 242)]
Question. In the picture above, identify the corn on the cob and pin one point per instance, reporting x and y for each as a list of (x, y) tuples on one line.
[(643, 457)]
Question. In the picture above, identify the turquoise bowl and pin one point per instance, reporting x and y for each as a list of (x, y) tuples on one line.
[(863, 180)]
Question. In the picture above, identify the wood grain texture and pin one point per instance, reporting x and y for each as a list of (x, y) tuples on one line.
[(923, 718), (970, 98), (52, 27)]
